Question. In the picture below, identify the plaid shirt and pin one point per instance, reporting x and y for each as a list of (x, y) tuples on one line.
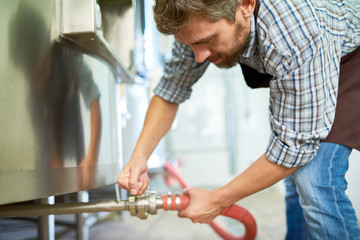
[(299, 43)]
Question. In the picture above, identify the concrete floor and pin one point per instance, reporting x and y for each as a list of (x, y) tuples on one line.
[(267, 208)]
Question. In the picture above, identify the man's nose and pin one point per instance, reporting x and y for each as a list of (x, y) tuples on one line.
[(201, 53)]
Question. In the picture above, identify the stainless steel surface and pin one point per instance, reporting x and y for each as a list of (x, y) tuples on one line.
[(81, 218), (59, 120), (139, 50), (139, 206), (117, 22), (62, 208), (83, 30), (147, 62), (46, 223), (132, 207)]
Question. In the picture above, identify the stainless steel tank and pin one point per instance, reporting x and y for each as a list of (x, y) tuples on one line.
[(59, 130)]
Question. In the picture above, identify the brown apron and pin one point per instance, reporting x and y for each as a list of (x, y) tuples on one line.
[(346, 126)]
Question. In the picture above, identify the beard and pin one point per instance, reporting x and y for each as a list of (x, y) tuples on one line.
[(232, 57)]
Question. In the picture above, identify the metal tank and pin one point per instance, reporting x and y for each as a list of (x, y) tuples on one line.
[(140, 52), (60, 82)]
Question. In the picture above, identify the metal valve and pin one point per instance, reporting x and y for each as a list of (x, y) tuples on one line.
[(140, 206), (149, 203), (144, 205)]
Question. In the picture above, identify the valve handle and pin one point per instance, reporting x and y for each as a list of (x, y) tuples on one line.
[(179, 202)]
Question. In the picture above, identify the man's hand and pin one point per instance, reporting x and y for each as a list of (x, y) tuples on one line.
[(203, 207), (134, 177), (158, 121)]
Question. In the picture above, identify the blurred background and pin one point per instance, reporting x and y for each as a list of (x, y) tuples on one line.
[(58, 77)]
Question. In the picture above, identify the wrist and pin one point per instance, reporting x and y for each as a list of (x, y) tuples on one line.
[(222, 197), (138, 156), (141, 153)]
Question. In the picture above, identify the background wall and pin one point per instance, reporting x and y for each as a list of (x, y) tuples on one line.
[(353, 178), (207, 126)]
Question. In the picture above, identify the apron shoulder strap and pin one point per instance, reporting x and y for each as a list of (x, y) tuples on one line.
[(253, 78)]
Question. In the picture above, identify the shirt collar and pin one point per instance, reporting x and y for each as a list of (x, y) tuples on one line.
[(249, 51)]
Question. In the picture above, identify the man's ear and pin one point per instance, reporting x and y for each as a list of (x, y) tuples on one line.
[(247, 7)]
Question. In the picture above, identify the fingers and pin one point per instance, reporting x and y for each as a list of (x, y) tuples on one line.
[(195, 217), (143, 183), (182, 213), (133, 180), (123, 179), (186, 191), (201, 208), (185, 212)]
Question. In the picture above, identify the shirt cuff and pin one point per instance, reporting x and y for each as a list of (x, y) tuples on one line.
[(171, 94), (283, 155)]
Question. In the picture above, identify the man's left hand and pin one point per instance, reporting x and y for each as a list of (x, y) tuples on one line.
[(203, 207)]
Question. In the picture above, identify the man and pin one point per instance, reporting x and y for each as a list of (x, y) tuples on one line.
[(299, 44)]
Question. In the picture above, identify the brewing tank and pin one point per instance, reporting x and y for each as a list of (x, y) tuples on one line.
[(59, 119)]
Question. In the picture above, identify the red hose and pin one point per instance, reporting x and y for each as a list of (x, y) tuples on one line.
[(234, 211)]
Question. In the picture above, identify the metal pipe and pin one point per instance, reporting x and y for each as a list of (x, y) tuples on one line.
[(139, 206), (62, 208), (46, 224)]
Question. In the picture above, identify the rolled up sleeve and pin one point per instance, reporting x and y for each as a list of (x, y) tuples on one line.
[(181, 71), (302, 102)]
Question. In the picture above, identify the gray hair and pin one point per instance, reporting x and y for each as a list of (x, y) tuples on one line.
[(172, 15)]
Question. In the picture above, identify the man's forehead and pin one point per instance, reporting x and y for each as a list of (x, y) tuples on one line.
[(196, 32)]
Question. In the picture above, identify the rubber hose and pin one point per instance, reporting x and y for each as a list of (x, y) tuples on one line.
[(234, 211)]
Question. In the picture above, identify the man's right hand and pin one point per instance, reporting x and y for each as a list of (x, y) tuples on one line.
[(134, 177), (158, 120)]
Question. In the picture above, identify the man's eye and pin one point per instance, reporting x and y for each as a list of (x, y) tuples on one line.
[(212, 40)]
